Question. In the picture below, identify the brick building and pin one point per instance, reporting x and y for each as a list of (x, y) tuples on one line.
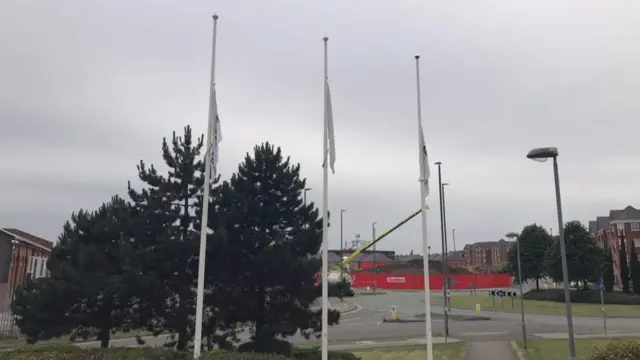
[(486, 255), (22, 255), (607, 230)]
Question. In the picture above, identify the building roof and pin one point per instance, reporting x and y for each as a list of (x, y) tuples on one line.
[(490, 244), (602, 222), (593, 226), (628, 213), (370, 257), (31, 239)]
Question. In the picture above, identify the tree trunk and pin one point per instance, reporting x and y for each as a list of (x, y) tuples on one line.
[(104, 336), (260, 321), (183, 321), (537, 283)]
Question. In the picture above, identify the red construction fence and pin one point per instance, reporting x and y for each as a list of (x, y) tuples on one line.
[(416, 281)]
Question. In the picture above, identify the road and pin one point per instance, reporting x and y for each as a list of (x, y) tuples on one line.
[(364, 326)]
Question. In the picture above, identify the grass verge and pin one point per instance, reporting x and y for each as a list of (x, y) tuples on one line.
[(450, 351), (539, 306), (558, 349)]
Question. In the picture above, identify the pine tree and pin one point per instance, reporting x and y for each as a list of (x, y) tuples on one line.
[(167, 244), (608, 277), (273, 247), (624, 265), (634, 265), (86, 290)]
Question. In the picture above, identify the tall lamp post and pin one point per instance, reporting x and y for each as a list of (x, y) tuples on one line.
[(342, 211), (375, 270), (445, 252), (442, 238), (542, 155), (305, 194), (512, 236)]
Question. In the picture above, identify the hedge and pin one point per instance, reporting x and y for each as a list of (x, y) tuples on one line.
[(583, 296), (71, 352), (618, 350)]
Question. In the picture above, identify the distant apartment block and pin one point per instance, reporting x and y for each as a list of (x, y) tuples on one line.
[(486, 255), (607, 230)]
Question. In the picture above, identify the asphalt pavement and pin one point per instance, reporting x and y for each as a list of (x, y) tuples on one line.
[(362, 325)]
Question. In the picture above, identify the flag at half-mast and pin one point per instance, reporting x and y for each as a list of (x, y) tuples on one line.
[(216, 132), (425, 173), (328, 123)]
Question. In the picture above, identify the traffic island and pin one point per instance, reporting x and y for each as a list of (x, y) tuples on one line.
[(421, 318)]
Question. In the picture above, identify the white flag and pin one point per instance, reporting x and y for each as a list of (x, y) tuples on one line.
[(425, 173), (216, 135), (328, 123)]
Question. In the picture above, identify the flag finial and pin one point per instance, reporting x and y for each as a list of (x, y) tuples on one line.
[(417, 56), (325, 39), (215, 16)]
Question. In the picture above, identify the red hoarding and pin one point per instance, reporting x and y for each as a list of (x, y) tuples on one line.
[(416, 281)]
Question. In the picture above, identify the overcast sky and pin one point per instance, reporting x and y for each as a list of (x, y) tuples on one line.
[(88, 88)]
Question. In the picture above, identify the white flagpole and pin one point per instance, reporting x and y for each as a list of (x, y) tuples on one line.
[(325, 211), (197, 341), (423, 206)]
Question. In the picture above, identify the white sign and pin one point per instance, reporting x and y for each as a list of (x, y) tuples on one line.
[(396, 279)]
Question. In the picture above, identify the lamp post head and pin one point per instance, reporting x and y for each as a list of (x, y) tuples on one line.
[(512, 235), (445, 184), (438, 163), (542, 154), (307, 189)]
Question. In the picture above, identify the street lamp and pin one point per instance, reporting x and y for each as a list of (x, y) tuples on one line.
[(375, 271), (445, 252), (512, 236), (305, 194), (342, 211), (542, 155), (442, 238)]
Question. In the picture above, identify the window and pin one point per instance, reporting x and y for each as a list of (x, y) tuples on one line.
[(620, 227), (636, 243), (635, 226)]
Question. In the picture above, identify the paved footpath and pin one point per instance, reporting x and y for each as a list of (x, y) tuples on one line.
[(490, 350)]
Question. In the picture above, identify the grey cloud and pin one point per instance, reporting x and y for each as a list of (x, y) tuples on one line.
[(98, 84)]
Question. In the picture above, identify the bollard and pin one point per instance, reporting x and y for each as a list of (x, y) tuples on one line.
[(394, 312), (478, 309)]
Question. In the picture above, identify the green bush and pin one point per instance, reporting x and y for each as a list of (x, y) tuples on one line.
[(583, 296), (341, 289), (70, 352), (618, 350), (270, 346), (315, 354), (226, 355)]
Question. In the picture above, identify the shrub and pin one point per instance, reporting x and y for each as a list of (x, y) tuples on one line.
[(70, 352), (618, 350), (341, 289), (583, 296), (315, 354), (269, 346), (226, 355)]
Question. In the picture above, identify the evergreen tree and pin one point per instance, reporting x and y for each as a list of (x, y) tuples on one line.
[(634, 265), (273, 246), (535, 242), (167, 244), (584, 258), (86, 292), (39, 307), (608, 277), (624, 265)]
